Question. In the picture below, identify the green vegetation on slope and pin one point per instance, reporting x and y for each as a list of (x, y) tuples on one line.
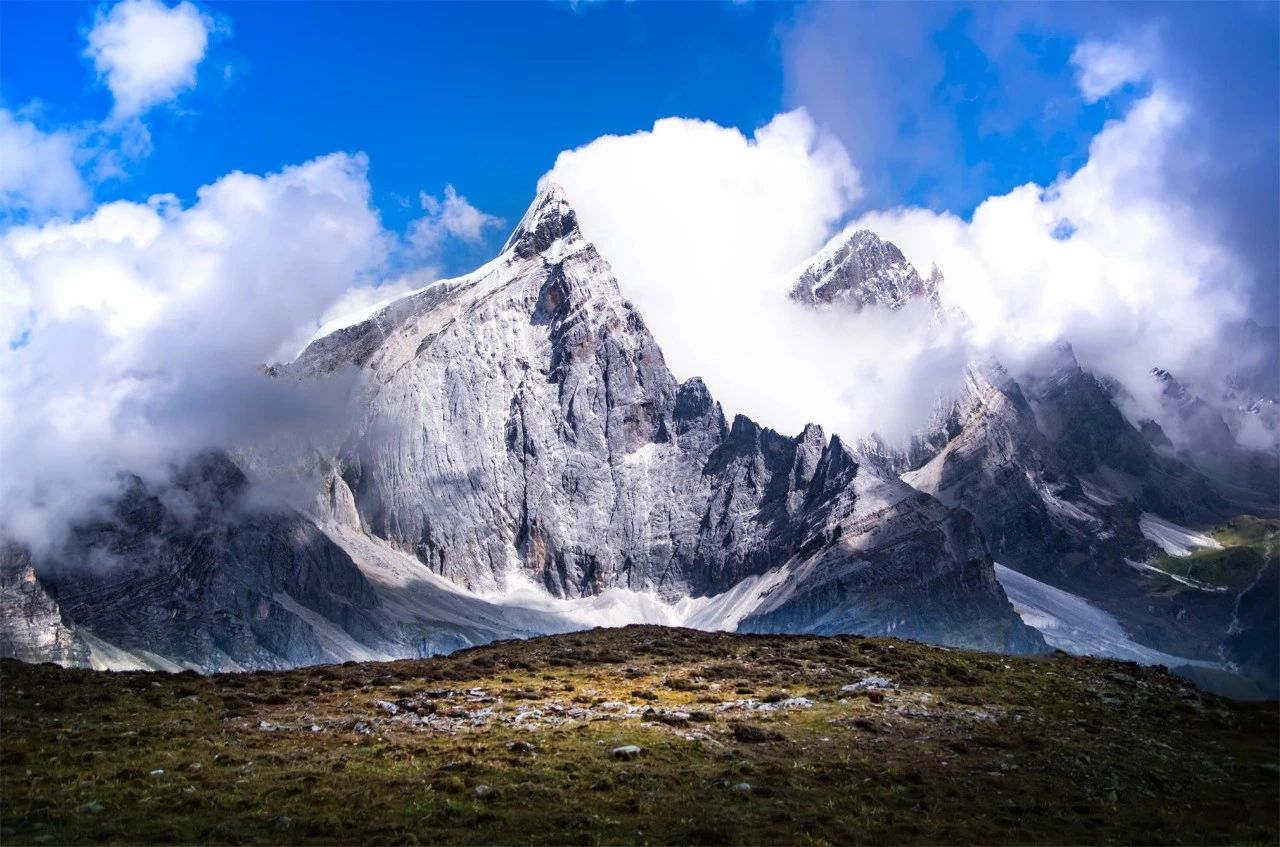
[(743, 739), (1246, 542)]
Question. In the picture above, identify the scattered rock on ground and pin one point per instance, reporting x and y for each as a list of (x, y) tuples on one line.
[(866, 683)]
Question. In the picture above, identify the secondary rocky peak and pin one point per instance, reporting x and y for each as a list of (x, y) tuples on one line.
[(863, 270), (549, 219)]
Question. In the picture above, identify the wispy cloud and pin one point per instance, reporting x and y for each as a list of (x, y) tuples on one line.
[(452, 217), (39, 173)]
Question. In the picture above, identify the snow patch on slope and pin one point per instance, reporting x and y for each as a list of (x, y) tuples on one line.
[(1173, 539), (105, 656), (1184, 580), (1073, 624), (621, 606), (412, 593), (336, 641)]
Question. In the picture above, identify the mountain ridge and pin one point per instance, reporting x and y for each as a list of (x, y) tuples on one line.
[(517, 426)]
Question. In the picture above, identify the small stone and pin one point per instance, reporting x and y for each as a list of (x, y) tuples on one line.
[(482, 790), (93, 807), (267, 726), (362, 727), (158, 772), (627, 751), (741, 787), (389, 708)]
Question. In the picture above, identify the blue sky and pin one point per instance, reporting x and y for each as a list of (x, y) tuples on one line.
[(939, 105), (483, 96)]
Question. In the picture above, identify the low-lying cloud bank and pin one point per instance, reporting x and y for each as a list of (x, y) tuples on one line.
[(135, 335)]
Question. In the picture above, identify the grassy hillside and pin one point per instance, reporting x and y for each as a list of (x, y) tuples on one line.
[(742, 739)]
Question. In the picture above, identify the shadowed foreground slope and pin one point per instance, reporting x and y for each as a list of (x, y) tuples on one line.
[(743, 739)]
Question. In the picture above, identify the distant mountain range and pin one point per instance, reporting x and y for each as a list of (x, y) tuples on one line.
[(518, 459)]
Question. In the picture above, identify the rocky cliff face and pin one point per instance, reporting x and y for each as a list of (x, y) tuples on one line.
[(519, 460), (191, 574), (31, 626), (522, 425)]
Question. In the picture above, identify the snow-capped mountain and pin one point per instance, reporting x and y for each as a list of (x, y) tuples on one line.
[(519, 459), (860, 270), (516, 458), (1072, 499)]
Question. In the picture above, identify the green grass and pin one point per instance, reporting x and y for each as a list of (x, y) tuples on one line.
[(1247, 542), (970, 748), (1248, 531)]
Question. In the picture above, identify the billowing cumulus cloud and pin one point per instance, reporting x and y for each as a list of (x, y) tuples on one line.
[(1108, 258), (135, 336), (705, 228), (147, 52), (944, 105)]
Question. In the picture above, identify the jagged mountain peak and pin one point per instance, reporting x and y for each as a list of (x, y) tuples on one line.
[(547, 233), (860, 269), (549, 219), (1172, 387)]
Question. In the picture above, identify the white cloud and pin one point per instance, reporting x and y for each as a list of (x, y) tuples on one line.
[(147, 52), (1102, 67), (704, 228), (38, 171), (1139, 282), (453, 217), (135, 335)]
